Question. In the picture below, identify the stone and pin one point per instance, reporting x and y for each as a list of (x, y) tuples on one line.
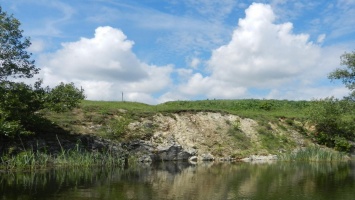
[(145, 159), (193, 159), (258, 158), (207, 157)]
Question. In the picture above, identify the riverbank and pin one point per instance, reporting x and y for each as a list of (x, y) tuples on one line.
[(126, 131)]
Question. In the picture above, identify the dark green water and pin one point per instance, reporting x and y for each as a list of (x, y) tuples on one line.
[(280, 180)]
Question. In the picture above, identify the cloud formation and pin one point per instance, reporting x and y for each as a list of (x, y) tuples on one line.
[(261, 54), (263, 57), (105, 66)]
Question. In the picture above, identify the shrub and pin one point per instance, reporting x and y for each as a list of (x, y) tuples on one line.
[(333, 121), (341, 144)]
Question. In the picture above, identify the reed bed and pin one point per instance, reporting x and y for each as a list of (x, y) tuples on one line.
[(314, 153), (30, 160)]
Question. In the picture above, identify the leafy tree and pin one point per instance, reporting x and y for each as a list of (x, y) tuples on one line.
[(334, 119), (347, 75), (64, 97), (15, 62), (19, 102)]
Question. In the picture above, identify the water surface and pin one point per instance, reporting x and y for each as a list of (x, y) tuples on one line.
[(280, 180)]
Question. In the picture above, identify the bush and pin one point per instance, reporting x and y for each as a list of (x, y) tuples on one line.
[(117, 127), (11, 128), (341, 144), (334, 122)]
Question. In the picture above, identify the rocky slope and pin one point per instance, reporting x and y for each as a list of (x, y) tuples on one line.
[(208, 136), (171, 136)]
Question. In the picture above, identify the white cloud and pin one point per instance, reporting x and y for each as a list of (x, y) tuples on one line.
[(105, 66), (211, 88), (266, 56), (263, 54), (308, 93)]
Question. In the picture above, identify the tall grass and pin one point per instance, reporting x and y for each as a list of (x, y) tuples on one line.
[(314, 153), (30, 160)]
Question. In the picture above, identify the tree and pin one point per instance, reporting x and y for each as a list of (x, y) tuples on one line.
[(20, 102), (334, 125), (15, 62), (347, 75), (63, 97), (333, 118)]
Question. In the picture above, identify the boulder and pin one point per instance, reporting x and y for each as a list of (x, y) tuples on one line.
[(206, 157), (172, 153)]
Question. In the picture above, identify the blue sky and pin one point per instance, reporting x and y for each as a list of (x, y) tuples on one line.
[(161, 50)]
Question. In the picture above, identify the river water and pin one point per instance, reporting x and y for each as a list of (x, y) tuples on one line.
[(279, 180)]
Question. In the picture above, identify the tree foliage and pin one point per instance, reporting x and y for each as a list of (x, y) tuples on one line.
[(347, 74), (15, 61), (63, 97), (334, 122), (20, 102), (335, 119)]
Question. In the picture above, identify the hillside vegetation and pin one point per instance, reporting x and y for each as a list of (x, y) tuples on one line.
[(272, 118), (99, 132)]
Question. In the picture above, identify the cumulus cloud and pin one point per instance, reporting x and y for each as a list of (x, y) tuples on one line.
[(105, 66), (264, 55)]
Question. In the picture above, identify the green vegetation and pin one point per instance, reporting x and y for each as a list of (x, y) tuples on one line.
[(76, 157), (313, 154), (347, 74), (20, 102), (251, 108), (334, 123), (334, 119), (330, 129)]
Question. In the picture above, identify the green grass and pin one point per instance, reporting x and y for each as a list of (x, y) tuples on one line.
[(314, 153), (243, 107), (30, 160)]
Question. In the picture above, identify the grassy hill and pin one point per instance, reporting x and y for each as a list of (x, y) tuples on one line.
[(102, 112)]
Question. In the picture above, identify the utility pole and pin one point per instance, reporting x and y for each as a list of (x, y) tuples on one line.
[(122, 96)]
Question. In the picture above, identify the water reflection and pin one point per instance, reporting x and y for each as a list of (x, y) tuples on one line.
[(171, 180)]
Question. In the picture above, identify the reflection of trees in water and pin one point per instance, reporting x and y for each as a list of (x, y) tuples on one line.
[(185, 181)]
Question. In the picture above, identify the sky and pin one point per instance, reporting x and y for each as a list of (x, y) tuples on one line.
[(154, 51)]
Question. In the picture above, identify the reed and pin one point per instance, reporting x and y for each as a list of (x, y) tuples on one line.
[(314, 153), (30, 160)]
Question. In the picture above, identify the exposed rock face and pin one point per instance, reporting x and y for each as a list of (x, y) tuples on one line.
[(200, 136), (146, 151), (174, 152)]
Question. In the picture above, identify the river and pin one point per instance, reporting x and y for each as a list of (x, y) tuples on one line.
[(278, 180)]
